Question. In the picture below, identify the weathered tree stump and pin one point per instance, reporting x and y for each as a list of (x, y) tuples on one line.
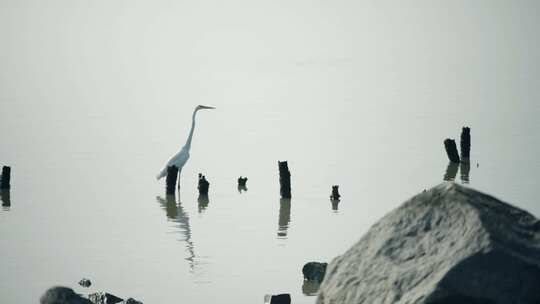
[(242, 181), (6, 178), (465, 143), (451, 150), (172, 175), (335, 193), (284, 179), (203, 185)]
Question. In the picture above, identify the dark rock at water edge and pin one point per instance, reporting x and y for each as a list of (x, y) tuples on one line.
[(131, 301), (85, 282), (62, 295), (310, 288), (450, 244), (104, 298), (284, 298), (314, 271)]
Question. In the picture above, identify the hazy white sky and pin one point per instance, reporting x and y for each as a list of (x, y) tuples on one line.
[(148, 63)]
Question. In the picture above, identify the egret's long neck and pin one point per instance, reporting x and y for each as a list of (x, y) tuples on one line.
[(190, 137)]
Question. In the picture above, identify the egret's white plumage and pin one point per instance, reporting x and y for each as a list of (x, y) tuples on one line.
[(180, 158)]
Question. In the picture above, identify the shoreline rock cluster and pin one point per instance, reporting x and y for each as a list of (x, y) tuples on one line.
[(66, 295)]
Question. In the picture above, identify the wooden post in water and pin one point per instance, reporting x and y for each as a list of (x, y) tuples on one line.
[(465, 143), (335, 193), (284, 179), (242, 181), (6, 178), (203, 185), (172, 175), (451, 150)]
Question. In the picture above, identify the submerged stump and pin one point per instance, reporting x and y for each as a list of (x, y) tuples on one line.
[(465, 143), (451, 150), (242, 181), (335, 193), (203, 185), (172, 175), (284, 179), (5, 179)]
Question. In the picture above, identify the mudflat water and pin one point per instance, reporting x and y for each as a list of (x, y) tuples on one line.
[(94, 100)]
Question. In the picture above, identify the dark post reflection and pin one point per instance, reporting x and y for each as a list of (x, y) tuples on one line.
[(284, 217), (6, 200), (203, 202), (335, 204), (176, 213), (242, 188), (464, 169), (451, 171), (310, 288)]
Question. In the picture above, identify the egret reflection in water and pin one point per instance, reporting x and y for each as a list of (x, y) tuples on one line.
[(176, 213), (284, 217), (6, 199)]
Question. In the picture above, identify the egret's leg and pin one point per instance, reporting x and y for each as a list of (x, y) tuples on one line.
[(179, 171)]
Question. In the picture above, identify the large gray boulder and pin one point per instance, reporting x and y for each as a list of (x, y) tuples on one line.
[(450, 244)]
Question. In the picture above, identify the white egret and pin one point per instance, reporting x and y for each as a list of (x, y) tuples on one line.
[(180, 158)]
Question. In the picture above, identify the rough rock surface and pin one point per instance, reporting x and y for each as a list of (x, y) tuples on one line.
[(62, 295), (450, 244)]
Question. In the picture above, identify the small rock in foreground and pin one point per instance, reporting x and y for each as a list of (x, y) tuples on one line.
[(62, 295), (284, 298), (314, 271), (104, 298), (85, 282), (131, 301)]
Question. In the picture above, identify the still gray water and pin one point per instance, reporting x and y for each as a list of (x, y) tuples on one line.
[(94, 100)]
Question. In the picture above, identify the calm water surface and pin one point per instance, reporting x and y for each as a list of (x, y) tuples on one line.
[(95, 97), (90, 206)]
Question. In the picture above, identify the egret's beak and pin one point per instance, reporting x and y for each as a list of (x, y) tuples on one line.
[(207, 107)]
